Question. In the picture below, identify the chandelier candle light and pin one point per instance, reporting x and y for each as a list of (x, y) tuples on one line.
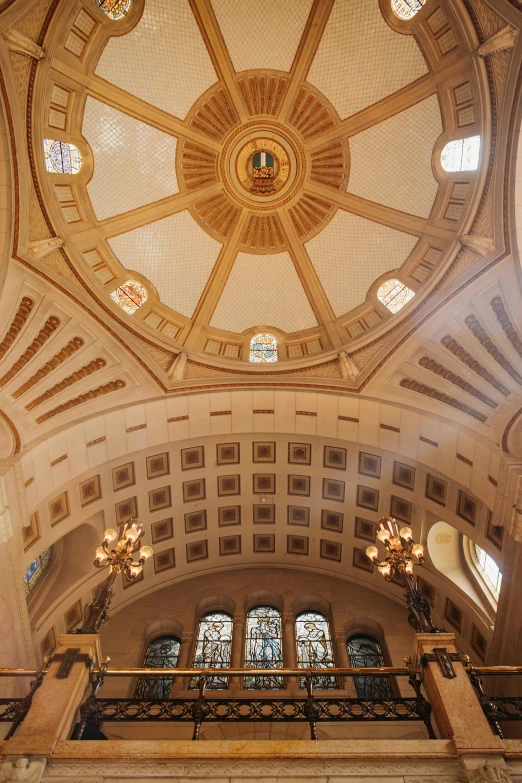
[(120, 559), (401, 551)]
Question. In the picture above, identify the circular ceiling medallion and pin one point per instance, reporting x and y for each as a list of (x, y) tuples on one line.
[(262, 165)]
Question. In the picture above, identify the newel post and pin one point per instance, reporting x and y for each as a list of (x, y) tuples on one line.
[(456, 708)]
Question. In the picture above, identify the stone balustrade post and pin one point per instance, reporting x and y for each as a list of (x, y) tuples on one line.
[(55, 705), (342, 660), (456, 709)]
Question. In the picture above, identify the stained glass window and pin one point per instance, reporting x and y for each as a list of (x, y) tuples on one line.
[(264, 646), (36, 570), (314, 646), (115, 9), (129, 296), (62, 157), (406, 9), (365, 651), (213, 647), (263, 348), (461, 154), (490, 571), (162, 653), (394, 295)]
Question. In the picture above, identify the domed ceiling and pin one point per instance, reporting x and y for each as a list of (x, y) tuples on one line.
[(258, 166)]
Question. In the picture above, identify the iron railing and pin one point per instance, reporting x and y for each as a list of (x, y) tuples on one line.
[(496, 708)]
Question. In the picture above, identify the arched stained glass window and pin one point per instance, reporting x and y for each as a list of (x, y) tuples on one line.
[(490, 571), (213, 647), (129, 296), (406, 9), (264, 646), (115, 9), (162, 653), (314, 646), (461, 154), (36, 570), (364, 652), (62, 157), (394, 295), (263, 348)]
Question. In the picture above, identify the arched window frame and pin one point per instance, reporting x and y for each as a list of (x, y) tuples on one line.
[(406, 9), (220, 657), (369, 687), (157, 657), (307, 653), (394, 294), (264, 355), (129, 302), (41, 568), (69, 154), (115, 9), (271, 647), (477, 573), (467, 148)]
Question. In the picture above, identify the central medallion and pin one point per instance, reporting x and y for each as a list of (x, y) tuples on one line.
[(262, 165)]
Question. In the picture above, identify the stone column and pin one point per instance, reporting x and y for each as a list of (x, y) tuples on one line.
[(236, 654), (343, 661), (289, 648), (184, 661), (456, 708), (54, 710)]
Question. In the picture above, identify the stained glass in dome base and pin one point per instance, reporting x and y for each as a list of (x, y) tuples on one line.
[(314, 647), (115, 9), (61, 157), (264, 647), (129, 296), (394, 295), (406, 9), (263, 348), (461, 154), (35, 571)]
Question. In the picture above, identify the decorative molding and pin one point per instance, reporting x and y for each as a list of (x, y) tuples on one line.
[(18, 42), (176, 370), (67, 351), (197, 166), (25, 307), (507, 430), (262, 94), (504, 39), (263, 232), (330, 167), (78, 375), (215, 116), (42, 247), (448, 375), (218, 214), (310, 115), (43, 335), (478, 331), (466, 358), (428, 391), (511, 333), (90, 395), (310, 214), (14, 432), (349, 369), (482, 245)]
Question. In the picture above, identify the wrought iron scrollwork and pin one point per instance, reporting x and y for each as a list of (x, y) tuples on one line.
[(495, 708)]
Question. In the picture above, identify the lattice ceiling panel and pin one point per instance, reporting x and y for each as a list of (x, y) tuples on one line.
[(384, 158), (351, 252), (163, 61), (175, 254), (262, 33), (360, 59), (133, 163), (259, 291)]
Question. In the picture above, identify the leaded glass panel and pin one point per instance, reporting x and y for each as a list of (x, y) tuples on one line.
[(490, 570), (406, 9), (314, 647), (129, 296), (35, 571), (461, 154), (213, 647), (61, 157), (264, 646), (394, 295), (162, 653), (115, 9), (263, 348), (365, 652)]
